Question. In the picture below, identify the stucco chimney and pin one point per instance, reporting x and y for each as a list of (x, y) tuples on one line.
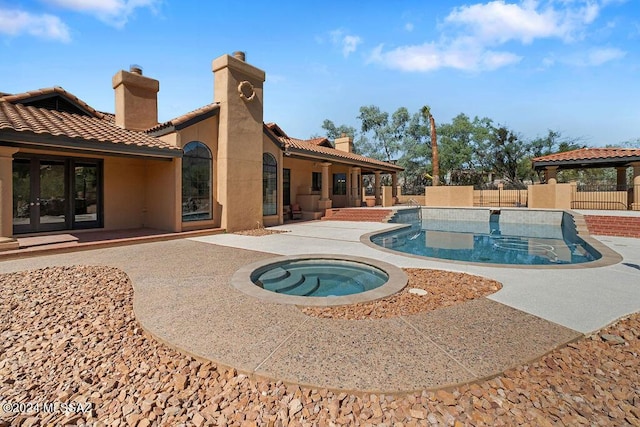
[(238, 88), (344, 143), (136, 99)]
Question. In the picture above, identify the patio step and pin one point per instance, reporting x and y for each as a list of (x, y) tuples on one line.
[(621, 226), (356, 214)]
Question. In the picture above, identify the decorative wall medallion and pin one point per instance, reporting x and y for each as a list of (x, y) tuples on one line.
[(246, 91)]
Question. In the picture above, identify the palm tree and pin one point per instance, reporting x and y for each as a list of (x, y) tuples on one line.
[(435, 160)]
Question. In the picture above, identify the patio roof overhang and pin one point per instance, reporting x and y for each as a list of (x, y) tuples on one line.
[(73, 145), (588, 158), (366, 167)]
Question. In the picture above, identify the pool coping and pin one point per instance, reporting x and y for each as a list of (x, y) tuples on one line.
[(609, 256), (241, 281)]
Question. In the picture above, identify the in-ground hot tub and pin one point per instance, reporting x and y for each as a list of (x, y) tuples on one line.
[(319, 280)]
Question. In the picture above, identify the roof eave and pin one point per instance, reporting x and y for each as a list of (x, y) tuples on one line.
[(578, 163), (170, 127), (33, 140), (325, 156)]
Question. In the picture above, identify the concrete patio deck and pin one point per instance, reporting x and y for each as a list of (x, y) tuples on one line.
[(183, 297)]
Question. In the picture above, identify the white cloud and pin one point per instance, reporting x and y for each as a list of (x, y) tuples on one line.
[(16, 22), (112, 12), (499, 22), (432, 56), (472, 35), (595, 57), (347, 42)]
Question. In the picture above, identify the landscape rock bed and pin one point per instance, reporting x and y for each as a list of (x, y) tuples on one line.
[(68, 334), (444, 288)]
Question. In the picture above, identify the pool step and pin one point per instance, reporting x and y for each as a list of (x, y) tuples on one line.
[(308, 286), (291, 281), (274, 275)]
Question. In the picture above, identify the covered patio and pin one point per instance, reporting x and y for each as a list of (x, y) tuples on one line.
[(623, 195)]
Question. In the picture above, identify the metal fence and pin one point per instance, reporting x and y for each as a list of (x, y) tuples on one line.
[(602, 196), (500, 197)]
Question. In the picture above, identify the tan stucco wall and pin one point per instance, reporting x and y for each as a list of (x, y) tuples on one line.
[(553, 196), (162, 198), (140, 193), (461, 196), (301, 176), (124, 193)]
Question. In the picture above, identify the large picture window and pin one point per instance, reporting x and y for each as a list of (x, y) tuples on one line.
[(269, 185), (197, 170)]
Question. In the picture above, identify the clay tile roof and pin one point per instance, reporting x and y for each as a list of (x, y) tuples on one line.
[(188, 118), (78, 128), (56, 90), (590, 154), (314, 146)]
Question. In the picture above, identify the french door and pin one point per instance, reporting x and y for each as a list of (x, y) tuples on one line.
[(52, 194)]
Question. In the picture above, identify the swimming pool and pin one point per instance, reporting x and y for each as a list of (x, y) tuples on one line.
[(516, 241)]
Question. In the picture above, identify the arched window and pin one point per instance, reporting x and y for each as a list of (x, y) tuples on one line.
[(269, 184), (197, 169)]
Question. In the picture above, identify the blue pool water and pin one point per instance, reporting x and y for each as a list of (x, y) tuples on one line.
[(319, 277), (490, 242)]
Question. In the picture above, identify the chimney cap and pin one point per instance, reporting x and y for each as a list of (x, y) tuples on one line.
[(239, 55), (135, 69)]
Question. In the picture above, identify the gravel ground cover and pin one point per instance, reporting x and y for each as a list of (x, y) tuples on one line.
[(69, 340), (443, 288)]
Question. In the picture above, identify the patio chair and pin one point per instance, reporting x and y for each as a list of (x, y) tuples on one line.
[(296, 212)]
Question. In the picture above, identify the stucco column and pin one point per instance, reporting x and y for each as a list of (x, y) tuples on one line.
[(325, 181), (325, 202), (621, 178), (6, 199), (550, 173), (636, 186), (355, 188), (394, 186), (377, 188)]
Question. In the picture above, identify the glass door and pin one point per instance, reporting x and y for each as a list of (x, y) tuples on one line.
[(22, 196), (51, 202), (86, 194), (40, 201)]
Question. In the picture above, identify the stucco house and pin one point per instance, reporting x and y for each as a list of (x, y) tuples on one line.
[(66, 166)]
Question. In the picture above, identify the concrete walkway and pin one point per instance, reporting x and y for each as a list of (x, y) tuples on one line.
[(183, 296), (583, 299)]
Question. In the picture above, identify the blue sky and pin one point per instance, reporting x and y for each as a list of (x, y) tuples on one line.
[(568, 65)]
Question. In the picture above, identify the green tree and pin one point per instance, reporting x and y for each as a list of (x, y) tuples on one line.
[(508, 153), (384, 135), (333, 131), (416, 155)]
